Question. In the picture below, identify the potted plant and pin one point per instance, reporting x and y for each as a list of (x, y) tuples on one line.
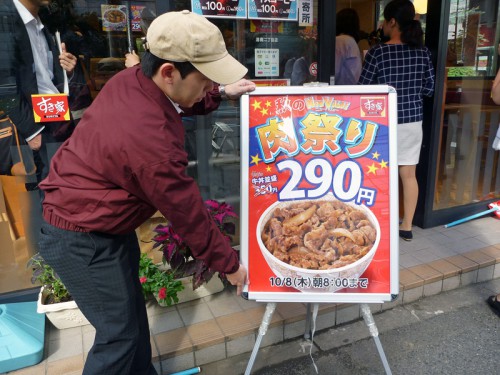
[(178, 256), (157, 282), (56, 302), (54, 299)]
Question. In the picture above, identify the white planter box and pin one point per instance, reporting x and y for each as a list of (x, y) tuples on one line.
[(62, 315), (215, 285)]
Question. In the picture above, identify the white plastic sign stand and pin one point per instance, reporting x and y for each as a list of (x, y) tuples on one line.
[(319, 187)]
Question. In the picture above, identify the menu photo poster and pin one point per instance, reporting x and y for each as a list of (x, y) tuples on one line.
[(136, 17), (220, 8), (319, 194), (284, 10), (114, 17)]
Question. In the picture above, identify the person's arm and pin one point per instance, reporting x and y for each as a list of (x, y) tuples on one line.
[(17, 78), (495, 89), (177, 197), (429, 78), (368, 74), (213, 98)]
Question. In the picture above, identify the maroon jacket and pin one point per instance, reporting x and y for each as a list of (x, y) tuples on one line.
[(125, 160)]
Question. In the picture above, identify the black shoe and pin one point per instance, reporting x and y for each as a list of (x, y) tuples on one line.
[(494, 304), (406, 235)]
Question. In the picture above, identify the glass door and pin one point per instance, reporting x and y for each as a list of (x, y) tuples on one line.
[(468, 167)]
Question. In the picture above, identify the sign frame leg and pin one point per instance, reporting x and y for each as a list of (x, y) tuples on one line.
[(270, 307), (370, 323)]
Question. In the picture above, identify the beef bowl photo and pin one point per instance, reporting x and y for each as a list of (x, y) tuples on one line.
[(318, 245)]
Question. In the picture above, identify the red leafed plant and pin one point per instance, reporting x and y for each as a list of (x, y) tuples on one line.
[(177, 254)]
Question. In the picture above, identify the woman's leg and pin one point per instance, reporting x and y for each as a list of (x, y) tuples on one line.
[(410, 194)]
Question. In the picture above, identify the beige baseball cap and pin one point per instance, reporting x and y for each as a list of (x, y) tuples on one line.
[(186, 36)]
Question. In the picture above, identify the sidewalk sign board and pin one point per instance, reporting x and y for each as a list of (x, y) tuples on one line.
[(319, 190)]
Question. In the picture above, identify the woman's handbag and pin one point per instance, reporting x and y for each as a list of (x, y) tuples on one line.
[(13, 172)]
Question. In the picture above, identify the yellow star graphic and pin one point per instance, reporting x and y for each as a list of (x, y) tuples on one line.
[(383, 164), (375, 155), (263, 112), (256, 105), (268, 169), (268, 104), (372, 169), (255, 159)]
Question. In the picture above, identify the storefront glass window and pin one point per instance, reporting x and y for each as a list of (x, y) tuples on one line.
[(468, 168), (275, 53)]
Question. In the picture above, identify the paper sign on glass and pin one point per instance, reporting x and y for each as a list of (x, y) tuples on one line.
[(284, 10), (220, 8)]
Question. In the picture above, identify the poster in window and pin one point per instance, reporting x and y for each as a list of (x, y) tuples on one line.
[(136, 18), (305, 8), (284, 10), (114, 17), (220, 8), (319, 194), (267, 62)]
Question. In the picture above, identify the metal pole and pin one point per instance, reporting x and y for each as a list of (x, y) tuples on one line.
[(370, 323), (262, 331), (307, 332), (130, 42)]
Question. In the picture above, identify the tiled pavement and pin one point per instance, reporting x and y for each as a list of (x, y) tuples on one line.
[(222, 326)]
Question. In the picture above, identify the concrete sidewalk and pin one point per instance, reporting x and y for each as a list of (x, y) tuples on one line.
[(218, 332), (454, 332)]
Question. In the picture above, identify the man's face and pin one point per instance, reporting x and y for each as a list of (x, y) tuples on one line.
[(190, 90)]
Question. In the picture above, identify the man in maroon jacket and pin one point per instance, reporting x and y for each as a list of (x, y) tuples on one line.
[(126, 160)]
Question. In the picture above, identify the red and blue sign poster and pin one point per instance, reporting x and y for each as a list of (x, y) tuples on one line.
[(319, 194)]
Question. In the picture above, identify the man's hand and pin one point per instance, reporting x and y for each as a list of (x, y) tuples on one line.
[(132, 59), (67, 60), (36, 142), (235, 90), (238, 278)]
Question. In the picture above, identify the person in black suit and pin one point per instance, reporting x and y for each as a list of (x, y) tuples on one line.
[(31, 63)]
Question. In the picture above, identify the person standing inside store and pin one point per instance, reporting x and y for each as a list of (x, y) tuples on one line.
[(32, 64), (35, 62), (404, 63), (494, 301), (125, 161), (347, 53)]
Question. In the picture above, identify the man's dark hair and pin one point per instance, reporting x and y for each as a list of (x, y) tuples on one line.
[(150, 65)]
